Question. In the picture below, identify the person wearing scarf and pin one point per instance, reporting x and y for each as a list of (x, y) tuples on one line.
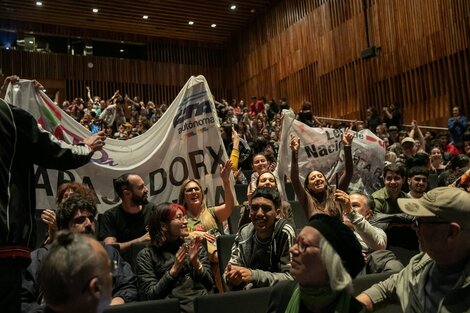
[(326, 257)]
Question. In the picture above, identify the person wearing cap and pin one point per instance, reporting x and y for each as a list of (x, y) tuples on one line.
[(438, 278), (408, 151), (326, 256)]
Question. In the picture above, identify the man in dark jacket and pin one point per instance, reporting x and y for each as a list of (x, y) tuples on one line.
[(260, 253), (24, 143), (77, 215)]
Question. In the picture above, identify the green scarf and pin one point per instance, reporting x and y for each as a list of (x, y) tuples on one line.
[(323, 295)]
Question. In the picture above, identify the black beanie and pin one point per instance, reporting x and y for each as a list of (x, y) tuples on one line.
[(342, 239)]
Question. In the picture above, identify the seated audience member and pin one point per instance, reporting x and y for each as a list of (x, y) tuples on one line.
[(435, 280), (386, 198), (325, 258), (373, 239), (458, 165), (463, 182), (64, 191), (207, 222), (125, 224), (77, 215), (260, 253), (417, 181), (76, 275), (171, 268), (267, 179), (316, 196), (259, 164)]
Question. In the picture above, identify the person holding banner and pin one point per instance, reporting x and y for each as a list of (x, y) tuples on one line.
[(25, 143), (316, 195)]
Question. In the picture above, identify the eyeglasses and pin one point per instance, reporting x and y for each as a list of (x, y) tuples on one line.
[(419, 222), (302, 246), (194, 189), (113, 268), (82, 219)]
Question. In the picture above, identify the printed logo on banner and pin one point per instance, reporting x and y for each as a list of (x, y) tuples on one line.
[(195, 113)]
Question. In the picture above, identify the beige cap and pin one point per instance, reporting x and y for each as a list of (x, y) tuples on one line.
[(407, 139), (447, 203)]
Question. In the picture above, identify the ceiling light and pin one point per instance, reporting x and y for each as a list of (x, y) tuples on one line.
[(122, 50), (145, 17), (213, 25), (191, 23), (31, 42), (252, 10), (122, 41), (38, 3), (95, 10), (233, 7)]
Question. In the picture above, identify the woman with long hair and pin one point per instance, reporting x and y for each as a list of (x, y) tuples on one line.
[(171, 266), (316, 195)]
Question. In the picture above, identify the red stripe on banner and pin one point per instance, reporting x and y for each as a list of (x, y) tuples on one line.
[(371, 139)]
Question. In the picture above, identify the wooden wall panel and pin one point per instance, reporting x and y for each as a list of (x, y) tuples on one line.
[(315, 48), (159, 79)]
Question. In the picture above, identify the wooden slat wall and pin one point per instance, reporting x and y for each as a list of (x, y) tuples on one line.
[(159, 80), (309, 50)]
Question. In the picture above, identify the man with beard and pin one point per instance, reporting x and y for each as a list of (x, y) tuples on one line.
[(77, 215), (417, 181), (260, 253), (126, 223)]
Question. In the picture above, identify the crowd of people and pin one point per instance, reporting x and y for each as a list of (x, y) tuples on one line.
[(151, 251)]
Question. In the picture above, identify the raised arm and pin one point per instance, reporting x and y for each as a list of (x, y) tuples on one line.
[(294, 175), (345, 179), (10, 79), (416, 133), (225, 210)]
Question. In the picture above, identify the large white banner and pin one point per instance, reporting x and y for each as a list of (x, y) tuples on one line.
[(184, 143), (321, 149)]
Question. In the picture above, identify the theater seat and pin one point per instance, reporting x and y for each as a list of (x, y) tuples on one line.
[(240, 192), (234, 218), (244, 301), (153, 306), (299, 215), (224, 251)]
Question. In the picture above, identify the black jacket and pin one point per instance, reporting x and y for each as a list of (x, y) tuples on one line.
[(24, 143), (124, 280), (155, 281)]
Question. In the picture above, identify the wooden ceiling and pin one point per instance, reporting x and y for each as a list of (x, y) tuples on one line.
[(166, 18)]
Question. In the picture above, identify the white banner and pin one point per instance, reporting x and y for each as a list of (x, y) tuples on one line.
[(184, 143), (321, 149)]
